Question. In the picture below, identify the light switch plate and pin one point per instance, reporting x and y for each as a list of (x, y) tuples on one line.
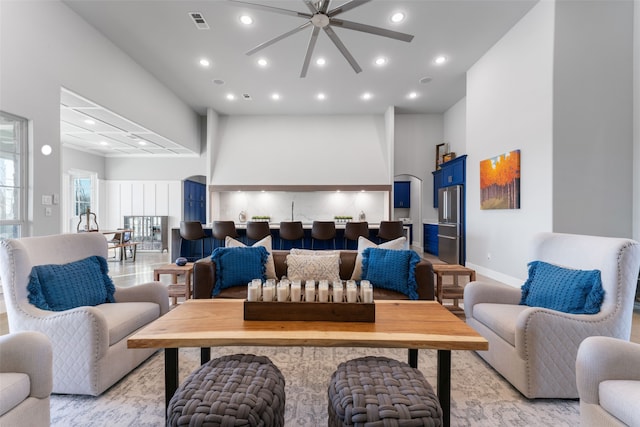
[(56, 198), (47, 211), (46, 199)]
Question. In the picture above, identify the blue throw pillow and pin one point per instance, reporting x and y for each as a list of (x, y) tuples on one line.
[(391, 269), (59, 287), (562, 289), (238, 266)]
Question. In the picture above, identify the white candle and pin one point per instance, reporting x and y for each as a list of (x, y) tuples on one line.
[(267, 292), (296, 290), (310, 291), (282, 292), (253, 292), (363, 285), (352, 292), (367, 293), (323, 291), (338, 291)]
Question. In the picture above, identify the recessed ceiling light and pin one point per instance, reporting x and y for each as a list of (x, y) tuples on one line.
[(141, 142), (397, 17), (204, 62), (104, 143), (246, 20), (321, 96), (366, 96), (440, 59), (381, 61), (231, 96), (275, 96), (413, 95), (262, 62), (321, 61), (90, 122)]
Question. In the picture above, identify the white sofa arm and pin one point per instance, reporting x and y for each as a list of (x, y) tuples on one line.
[(29, 353), (85, 323), (146, 292), (540, 329), (495, 293), (604, 358)]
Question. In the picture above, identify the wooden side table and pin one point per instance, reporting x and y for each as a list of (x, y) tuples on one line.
[(454, 292), (176, 289)]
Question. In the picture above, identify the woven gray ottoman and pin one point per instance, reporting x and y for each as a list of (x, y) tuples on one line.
[(378, 391), (236, 390)]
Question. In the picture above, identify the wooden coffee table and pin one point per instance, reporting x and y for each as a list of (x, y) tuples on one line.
[(399, 324)]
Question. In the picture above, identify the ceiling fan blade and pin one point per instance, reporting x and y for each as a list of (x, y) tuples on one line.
[(272, 9), (307, 57), (312, 7), (280, 37), (341, 47), (347, 6), (349, 25), (324, 6)]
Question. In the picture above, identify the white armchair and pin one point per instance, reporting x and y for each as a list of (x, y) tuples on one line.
[(608, 376), (25, 379), (89, 343), (535, 348)]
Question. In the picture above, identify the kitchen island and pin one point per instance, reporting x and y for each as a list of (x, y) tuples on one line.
[(191, 249)]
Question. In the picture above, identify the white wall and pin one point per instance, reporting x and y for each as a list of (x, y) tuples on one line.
[(161, 168), (299, 150), (46, 46), (636, 124), (308, 206), (416, 137), (593, 118), (509, 106), (455, 127)]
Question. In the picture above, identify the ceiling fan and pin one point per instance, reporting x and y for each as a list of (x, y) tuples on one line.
[(322, 17)]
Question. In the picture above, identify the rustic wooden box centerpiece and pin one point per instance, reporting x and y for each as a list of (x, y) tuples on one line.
[(310, 311)]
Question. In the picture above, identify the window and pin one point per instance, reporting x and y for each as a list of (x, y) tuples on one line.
[(13, 170), (81, 194)]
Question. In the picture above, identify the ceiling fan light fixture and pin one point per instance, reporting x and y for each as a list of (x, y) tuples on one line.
[(246, 19), (397, 17), (380, 61)]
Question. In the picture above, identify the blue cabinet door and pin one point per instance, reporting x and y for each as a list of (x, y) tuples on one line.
[(430, 238), (453, 172), (437, 184), (402, 194)]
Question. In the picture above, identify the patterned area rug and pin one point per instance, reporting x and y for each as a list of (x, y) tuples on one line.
[(479, 395)]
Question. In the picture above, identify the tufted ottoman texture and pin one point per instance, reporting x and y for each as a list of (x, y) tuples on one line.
[(236, 390), (378, 391)]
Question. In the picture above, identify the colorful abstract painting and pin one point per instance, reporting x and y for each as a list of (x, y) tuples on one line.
[(500, 181)]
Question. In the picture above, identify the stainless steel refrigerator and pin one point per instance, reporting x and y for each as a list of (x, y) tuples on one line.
[(450, 230)]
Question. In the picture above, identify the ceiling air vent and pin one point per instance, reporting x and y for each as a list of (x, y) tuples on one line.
[(198, 19)]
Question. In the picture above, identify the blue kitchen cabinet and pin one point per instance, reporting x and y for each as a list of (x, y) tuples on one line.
[(450, 173), (430, 232), (402, 194)]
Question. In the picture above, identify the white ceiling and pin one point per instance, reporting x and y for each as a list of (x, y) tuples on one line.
[(161, 36)]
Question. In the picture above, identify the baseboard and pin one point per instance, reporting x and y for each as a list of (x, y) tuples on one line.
[(495, 275)]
